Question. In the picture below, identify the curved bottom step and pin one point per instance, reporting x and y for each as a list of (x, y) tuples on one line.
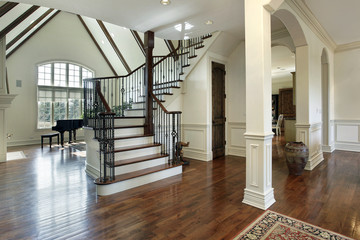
[(119, 185)]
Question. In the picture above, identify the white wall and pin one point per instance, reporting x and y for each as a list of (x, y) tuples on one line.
[(347, 99), (63, 38), (283, 82), (235, 102)]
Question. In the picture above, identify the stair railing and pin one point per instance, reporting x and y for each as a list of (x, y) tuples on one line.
[(98, 115), (167, 130), (108, 97), (120, 92)]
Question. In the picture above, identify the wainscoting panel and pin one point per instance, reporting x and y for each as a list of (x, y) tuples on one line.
[(347, 134), (197, 135), (236, 144)]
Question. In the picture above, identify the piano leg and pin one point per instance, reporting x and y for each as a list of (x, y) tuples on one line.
[(62, 138), (70, 136), (74, 135)]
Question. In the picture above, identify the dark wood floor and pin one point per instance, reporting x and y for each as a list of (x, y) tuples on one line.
[(48, 196)]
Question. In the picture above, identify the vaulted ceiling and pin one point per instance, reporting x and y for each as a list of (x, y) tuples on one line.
[(339, 19)]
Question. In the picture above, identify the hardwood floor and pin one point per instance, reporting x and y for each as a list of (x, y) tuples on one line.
[(49, 196)]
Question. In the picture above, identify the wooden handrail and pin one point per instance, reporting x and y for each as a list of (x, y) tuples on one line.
[(162, 106), (103, 100), (170, 54), (103, 78)]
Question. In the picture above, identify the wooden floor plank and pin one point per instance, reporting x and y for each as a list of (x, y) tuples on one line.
[(48, 196)]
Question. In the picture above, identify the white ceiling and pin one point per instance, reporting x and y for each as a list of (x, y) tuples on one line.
[(339, 18)]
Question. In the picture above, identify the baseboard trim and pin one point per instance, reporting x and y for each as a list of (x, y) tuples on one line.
[(328, 149), (314, 161), (236, 151), (347, 147), (92, 171), (203, 156), (259, 200)]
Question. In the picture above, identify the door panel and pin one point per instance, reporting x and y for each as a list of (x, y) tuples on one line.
[(218, 110)]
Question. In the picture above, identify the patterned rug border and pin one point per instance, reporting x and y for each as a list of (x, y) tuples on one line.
[(325, 233)]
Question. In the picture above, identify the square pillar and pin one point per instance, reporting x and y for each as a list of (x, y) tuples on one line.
[(258, 192)]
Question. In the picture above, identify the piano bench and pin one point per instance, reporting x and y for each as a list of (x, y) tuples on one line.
[(49, 136)]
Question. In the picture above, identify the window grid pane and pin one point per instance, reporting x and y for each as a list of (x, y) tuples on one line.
[(44, 74), (65, 103), (74, 76), (60, 74)]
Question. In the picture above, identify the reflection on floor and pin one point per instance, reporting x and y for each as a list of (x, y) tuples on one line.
[(49, 196)]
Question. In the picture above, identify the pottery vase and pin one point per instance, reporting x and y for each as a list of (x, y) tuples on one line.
[(297, 155)]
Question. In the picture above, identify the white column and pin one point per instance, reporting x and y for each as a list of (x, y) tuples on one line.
[(2, 65), (5, 100), (258, 192)]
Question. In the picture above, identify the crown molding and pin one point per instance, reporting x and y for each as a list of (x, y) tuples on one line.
[(282, 33), (348, 46), (300, 7)]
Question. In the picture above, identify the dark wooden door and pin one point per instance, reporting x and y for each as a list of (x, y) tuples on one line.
[(218, 110)]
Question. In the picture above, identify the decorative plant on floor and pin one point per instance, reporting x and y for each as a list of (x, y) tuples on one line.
[(119, 110)]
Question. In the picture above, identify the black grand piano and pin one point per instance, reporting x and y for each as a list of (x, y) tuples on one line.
[(70, 125)]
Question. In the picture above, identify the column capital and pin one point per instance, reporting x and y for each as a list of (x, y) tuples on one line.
[(272, 5)]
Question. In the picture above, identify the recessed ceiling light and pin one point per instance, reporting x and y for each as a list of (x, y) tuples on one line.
[(209, 22), (102, 41), (112, 34), (165, 2)]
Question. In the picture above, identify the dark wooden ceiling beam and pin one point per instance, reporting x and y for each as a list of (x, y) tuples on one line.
[(32, 34), (97, 45), (169, 45), (113, 44), (138, 41), (29, 28), (7, 7), (17, 21)]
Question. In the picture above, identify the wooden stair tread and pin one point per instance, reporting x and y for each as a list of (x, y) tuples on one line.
[(134, 136), (128, 126), (127, 176), (128, 117), (156, 89), (164, 93), (135, 147), (159, 84), (139, 159)]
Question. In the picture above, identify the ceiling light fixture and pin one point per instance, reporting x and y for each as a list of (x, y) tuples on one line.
[(209, 22), (165, 2)]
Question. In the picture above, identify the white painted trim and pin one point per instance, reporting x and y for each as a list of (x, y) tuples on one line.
[(347, 47), (38, 141), (262, 201), (314, 161), (328, 149), (104, 190), (310, 20), (236, 151), (347, 147), (198, 155), (92, 171)]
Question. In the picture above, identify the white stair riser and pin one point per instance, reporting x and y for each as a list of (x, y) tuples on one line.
[(126, 132), (137, 153), (140, 166), (134, 113), (129, 121), (133, 141), (104, 190), (138, 105)]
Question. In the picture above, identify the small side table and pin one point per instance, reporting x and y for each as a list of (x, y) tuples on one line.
[(49, 136)]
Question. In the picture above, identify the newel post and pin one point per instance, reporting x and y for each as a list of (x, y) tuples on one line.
[(149, 46)]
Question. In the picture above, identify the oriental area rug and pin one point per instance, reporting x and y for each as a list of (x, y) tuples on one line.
[(271, 225)]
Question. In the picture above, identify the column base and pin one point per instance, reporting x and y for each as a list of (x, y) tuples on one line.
[(259, 200)]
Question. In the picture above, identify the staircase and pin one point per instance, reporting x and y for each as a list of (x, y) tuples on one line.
[(123, 151)]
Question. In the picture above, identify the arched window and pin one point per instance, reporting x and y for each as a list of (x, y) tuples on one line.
[(60, 93)]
